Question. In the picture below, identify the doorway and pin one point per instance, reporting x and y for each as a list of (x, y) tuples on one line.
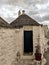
[(28, 42)]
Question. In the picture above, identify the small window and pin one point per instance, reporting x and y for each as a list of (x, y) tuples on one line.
[(28, 42)]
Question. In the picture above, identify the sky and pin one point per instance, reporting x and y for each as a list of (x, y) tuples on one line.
[(37, 9)]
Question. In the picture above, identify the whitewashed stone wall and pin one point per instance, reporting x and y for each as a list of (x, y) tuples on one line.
[(12, 40), (8, 45)]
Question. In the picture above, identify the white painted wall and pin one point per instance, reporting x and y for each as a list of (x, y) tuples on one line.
[(12, 40)]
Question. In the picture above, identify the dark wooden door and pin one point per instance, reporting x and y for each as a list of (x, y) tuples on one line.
[(28, 41)]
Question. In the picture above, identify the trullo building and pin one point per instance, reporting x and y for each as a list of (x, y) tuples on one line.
[(20, 40)]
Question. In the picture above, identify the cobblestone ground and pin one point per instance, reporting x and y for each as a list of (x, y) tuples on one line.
[(46, 55)]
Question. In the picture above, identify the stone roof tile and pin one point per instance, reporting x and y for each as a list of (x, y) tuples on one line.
[(24, 20)]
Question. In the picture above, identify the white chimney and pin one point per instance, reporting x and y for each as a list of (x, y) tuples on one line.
[(23, 11), (19, 13)]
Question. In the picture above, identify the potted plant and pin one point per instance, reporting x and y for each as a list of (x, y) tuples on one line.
[(38, 53)]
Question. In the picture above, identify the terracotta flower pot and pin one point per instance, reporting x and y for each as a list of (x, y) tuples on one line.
[(38, 56)]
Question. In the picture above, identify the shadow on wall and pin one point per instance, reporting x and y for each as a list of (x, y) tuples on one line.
[(46, 54)]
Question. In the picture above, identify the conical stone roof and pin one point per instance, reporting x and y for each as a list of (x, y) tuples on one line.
[(24, 20)]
